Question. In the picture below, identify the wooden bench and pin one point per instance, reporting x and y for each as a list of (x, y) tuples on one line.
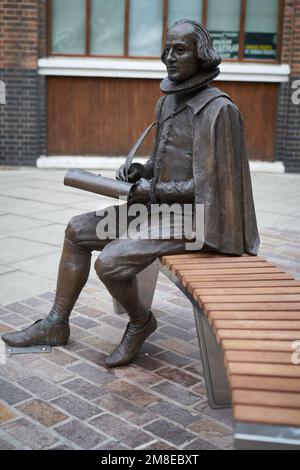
[(247, 314)]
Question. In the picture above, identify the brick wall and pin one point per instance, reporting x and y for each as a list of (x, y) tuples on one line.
[(22, 137), (288, 117)]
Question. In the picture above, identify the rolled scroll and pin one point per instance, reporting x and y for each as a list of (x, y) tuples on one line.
[(97, 184)]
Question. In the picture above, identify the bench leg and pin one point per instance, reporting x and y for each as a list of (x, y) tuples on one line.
[(217, 386)]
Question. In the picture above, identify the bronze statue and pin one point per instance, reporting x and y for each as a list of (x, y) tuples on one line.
[(199, 156)]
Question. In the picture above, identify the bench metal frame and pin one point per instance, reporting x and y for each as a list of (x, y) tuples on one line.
[(249, 436)]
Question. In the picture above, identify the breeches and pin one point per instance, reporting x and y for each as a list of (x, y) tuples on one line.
[(120, 259)]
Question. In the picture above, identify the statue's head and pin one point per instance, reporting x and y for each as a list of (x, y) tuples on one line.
[(188, 51)]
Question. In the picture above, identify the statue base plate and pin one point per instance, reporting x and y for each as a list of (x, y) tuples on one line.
[(28, 350)]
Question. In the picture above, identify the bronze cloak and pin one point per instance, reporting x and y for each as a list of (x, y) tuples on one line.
[(222, 175)]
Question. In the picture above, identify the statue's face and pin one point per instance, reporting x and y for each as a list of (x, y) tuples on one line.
[(180, 55)]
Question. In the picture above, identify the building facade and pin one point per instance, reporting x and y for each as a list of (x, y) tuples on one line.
[(82, 76)]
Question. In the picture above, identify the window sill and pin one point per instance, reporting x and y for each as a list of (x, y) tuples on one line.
[(155, 69)]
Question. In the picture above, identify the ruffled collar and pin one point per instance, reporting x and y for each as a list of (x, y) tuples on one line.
[(198, 81)]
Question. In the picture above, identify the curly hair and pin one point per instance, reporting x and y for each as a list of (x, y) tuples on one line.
[(208, 57)]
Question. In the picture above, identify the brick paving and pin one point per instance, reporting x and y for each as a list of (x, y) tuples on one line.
[(68, 399)]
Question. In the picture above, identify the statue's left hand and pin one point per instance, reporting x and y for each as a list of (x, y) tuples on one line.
[(141, 191)]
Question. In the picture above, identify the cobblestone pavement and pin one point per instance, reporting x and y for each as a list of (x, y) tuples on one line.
[(68, 399)]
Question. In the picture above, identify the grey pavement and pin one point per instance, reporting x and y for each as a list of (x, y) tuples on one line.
[(68, 399)]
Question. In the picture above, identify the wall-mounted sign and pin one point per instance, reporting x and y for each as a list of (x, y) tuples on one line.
[(226, 44), (260, 46)]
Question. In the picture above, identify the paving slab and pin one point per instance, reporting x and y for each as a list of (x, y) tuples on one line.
[(24, 207), (44, 266), (5, 268), (52, 234), (60, 216), (11, 225), (60, 198), (19, 284)]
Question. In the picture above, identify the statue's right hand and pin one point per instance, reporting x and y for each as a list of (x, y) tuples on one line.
[(121, 173), (136, 171)]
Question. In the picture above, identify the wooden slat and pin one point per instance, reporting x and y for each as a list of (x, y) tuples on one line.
[(198, 256), (269, 370), (265, 357), (210, 256), (257, 325), (207, 264), (252, 382), (215, 258), (261, 398), (263, 306), (195, 269), (256, 345), (223, 259), (234, 285), (247, 298), (265, 415), (185, 278), (236, 315), (258, 334), (200, 271), (247, 291), (223, 269)]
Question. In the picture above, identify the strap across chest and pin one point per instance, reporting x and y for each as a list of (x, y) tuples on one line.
[(145, 133)]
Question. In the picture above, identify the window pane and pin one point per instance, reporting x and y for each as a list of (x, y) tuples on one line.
[(223, 22), (179, 10), (261, 29), (145, 27), (107, 27), (68, 26)]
